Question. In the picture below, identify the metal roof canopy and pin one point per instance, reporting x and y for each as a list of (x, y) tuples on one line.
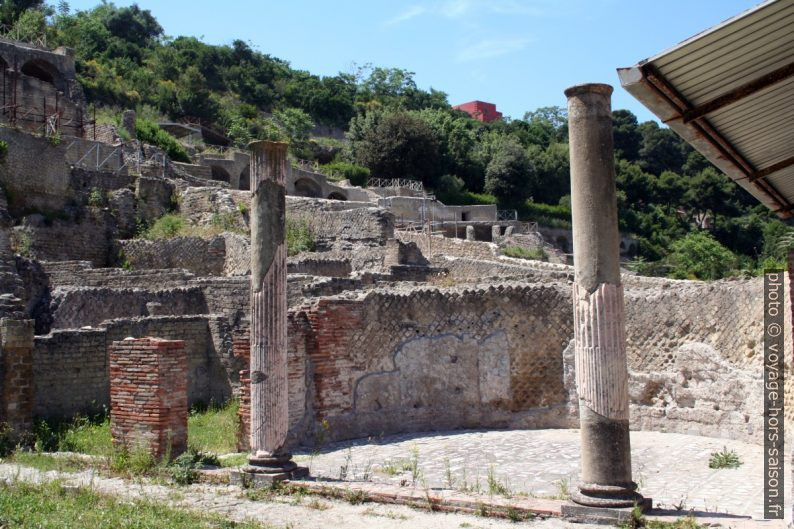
[(729, 92)]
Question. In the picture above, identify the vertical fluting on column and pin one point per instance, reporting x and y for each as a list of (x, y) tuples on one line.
[(599, 333), (268, 361)]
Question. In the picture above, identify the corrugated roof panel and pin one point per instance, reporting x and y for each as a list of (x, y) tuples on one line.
[(783, 181), (732, 55), (759, 126)]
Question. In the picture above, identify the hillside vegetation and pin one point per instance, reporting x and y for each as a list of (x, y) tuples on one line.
[(681, 209)]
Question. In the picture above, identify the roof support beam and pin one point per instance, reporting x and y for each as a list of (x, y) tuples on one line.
[(788, 162), (704, 131), (739, 93)]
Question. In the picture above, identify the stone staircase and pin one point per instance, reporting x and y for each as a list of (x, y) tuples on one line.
[(12, 289)]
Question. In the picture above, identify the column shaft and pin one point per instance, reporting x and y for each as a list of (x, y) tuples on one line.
[(268, 364), (600, 345)]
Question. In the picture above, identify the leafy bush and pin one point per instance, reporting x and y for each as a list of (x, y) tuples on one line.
[(166, 227), (725, 459), (700, 256), (300, 236), (137, 462), (151, 133), (531, 254), (8, 439), (96, 198), (557, 216), (357, 174)]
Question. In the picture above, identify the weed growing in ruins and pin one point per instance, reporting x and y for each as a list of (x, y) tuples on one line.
[(8, 439), (49, 462), (414, 464), (317, 505), (356, 497), (86, 435), (725, 459), (136, 462), (388, 514), (54, 139), (345, 468), (166, 227), (3, 150), (448, 474), (300, 236), (225, 222), (184, 470), (52, 505), (495, 486), (21, 242), (242, 208), (531, 254), (563, 489), (213, 429), (96, 198)]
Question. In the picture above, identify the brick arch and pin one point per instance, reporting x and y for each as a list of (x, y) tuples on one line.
[(219, 173), (245, 178), (44, 71), (305, 187)]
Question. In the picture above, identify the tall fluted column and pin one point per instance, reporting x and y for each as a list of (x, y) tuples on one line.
[(599, 333), (268, 363)]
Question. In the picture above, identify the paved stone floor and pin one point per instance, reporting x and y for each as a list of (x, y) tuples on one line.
[(670, 468)]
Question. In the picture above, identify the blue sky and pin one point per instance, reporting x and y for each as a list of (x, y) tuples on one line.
[(519, 54)]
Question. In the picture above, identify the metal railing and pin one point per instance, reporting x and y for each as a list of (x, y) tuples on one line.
[(94, 160), (413, 185), (506, 214)]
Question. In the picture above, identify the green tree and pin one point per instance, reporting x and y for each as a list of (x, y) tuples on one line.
[(700, 256), (11, 10), (507, 172), (396, 145), (626, 135)]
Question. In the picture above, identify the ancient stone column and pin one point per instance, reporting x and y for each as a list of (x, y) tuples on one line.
[(599, 333), (268, 363), (496, 232), (470, 236)]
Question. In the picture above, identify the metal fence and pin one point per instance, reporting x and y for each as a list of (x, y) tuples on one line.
[(413, 185), (507, 214)]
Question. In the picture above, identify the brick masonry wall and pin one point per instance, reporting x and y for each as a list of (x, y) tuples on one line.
[(16, 374), (71, 366), (78, 307), (202, 257), (440, 245), (148, 395), (411, 359)]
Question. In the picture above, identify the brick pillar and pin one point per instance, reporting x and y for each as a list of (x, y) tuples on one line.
[(241, 348), (148, 395), (16, 374)]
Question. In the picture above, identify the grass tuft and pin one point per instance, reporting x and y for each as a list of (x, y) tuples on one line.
[(725, 459)]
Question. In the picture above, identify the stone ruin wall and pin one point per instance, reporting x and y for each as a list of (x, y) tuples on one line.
[(71, 366), (499, 356), (423, 358)]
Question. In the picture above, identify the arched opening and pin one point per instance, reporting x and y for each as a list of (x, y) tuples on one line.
[(219, 173), (245, 179), (3, 64), (336, 196), (307, 188), (562, 244), (43, 71)]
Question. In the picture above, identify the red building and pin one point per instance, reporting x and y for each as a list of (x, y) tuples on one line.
[(480, 110)]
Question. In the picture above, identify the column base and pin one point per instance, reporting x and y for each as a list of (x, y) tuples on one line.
[(265, 470), (576, 513), (610, 496)]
